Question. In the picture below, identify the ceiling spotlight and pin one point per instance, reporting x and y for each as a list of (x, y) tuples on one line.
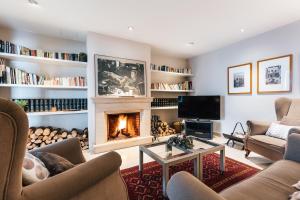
[(190, 43), (33, 2), (130, 28), (242, 30)]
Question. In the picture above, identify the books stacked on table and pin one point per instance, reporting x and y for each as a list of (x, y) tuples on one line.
[(164, 102), (9, 47), (186, 85), (48, 105), (9, 75), (166, 68)]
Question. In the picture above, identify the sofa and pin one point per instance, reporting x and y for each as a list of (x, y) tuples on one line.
[(256, 140), (273, 183), (98, 179)]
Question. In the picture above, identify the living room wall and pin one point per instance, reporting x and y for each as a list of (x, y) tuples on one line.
[(210, 71)]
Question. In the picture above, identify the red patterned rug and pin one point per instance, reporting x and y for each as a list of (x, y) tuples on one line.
[(150, 185)]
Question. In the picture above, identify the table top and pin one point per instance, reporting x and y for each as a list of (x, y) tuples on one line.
[(158, 152)]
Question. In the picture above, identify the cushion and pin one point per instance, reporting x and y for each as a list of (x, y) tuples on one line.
[(279, 131), (268, 142), (290, 121), (54, 163), (33, 170)]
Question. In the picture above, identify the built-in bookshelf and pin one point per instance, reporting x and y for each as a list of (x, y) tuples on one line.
[(175, 91), (45, 86), (57, 113), (165, 108), (163, 73)]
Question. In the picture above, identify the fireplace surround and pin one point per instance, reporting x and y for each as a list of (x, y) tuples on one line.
[(107, 109)]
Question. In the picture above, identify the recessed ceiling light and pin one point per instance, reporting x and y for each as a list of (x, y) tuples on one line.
[(242, 30), (190, 43), (33, 2), (130, 28)]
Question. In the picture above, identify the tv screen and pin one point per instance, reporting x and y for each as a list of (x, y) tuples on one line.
[(199, 107)]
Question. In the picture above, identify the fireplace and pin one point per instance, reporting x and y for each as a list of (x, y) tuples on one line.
[(123, 126)]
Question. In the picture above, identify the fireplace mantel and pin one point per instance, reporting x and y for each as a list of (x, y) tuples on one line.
[(113, 100)]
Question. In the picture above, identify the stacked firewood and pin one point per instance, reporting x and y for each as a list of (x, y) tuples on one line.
[(42, 136), (160, 128)]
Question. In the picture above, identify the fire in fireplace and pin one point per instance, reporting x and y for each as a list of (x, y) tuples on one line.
[(123, 125)]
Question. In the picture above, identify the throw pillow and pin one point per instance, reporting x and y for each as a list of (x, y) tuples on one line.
[(290, 121), (54, 163), (33, 170), (279, 130)]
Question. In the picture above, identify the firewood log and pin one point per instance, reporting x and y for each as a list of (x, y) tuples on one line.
[(48, 141), (64, 134), (45, 138), (69, 136), (74, 133), (42, 144), (38, 141), (60, 139), (38, 131), (46, 131), (55, 137)]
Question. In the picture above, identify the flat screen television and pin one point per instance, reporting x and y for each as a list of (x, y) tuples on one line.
[(199, 107)]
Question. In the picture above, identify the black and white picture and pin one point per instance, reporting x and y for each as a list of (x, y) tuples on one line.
[(273, 75), (239, 80), (120, 77)]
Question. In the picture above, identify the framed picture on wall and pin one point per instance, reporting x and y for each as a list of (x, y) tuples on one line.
[(239, 79), (275, 74), (120, 76)]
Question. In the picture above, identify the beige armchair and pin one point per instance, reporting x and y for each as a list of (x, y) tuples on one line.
[(270, 147), (97, 179)]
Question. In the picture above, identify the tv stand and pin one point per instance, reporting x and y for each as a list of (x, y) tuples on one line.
[(199, 128)]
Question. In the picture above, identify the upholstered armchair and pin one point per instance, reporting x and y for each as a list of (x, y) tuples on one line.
[(96, 179), (270, 147)]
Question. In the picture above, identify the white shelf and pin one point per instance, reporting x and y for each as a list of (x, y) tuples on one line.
[(157, 90), (57, 113), (42, 60), (165, 108), (43, 86), (171, 73)]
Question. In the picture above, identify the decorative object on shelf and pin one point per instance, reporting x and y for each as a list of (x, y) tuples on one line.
[(120, 77), (182, 141), (42, 136), (236, 136), (239, 79), (160, 128), (22, 103), (186, 85), (164, 102), (11, 48), (165, 68), (275, 74), (53, 105)]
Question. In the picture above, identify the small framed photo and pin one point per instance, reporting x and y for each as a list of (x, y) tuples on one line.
[(239, 79), (275, 74)]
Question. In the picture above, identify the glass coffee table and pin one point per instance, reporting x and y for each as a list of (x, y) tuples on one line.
[(165, 158)]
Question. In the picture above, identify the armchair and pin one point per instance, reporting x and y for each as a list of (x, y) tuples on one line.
[(270, 147), (97, 179)]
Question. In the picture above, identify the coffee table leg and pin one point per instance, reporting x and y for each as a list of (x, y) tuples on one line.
[(141, 161), (165, 179), (222, 160), (196, 167), (200, 167)]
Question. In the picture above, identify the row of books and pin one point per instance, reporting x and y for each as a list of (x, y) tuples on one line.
[(164, 102), (186, 85), (9, 47), (9, 75), (165, 68), (48, 105)]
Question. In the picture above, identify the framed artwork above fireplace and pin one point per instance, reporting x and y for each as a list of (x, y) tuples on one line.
[(120, 76)]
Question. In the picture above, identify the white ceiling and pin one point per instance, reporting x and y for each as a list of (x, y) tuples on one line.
[(167, 25)]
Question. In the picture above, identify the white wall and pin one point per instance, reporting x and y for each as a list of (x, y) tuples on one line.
[(46, 43), (115, 47), (211, 74)]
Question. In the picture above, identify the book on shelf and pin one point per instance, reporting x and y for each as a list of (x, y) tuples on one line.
[(11, 48), (164, 102), (165, 68), (9, 75), (186, 85)]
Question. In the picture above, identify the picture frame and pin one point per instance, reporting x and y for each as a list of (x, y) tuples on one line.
[(239, 79), (274, 75), (117, 77)]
